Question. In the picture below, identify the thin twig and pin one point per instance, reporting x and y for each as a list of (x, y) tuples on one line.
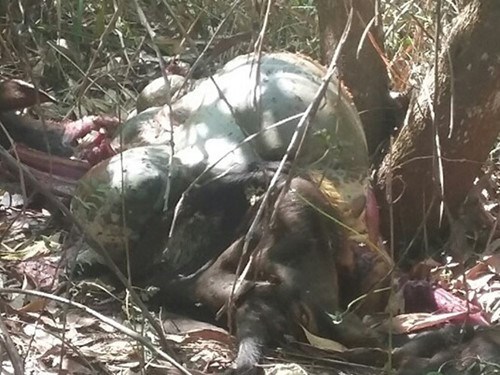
[(391, 241), (10, 347), (257, 56), (452, 93), (437, 151), (103, 318), (366, 31)]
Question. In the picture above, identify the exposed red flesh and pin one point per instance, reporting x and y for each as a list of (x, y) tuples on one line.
[(98, 149), (447, 302), (77, 129)]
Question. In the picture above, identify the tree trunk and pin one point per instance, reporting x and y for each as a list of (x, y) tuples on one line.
[(469, 77), (363, 73)]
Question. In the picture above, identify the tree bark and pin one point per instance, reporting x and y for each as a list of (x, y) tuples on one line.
[(469, 77), (363, 72)]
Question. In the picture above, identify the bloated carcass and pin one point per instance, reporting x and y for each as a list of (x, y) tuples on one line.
[(186, 188)]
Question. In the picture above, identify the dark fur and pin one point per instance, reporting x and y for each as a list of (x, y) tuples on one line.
[(293, 280), (454, 349)]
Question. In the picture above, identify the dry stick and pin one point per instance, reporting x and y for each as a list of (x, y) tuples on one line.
[(258, 51), (314, 362), (452, 94), (391, 248), (10, 347), (120, 327), (437, 152), (260, 39), (390, 197), (190, 29), (458, 160), (303, 124), (365, 33), (11, 162), (452, 121)]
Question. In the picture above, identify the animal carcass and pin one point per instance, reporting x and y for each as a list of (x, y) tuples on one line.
[(216, 148)]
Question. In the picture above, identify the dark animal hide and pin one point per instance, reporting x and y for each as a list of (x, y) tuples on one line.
[(292, 279), (452, 350)]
